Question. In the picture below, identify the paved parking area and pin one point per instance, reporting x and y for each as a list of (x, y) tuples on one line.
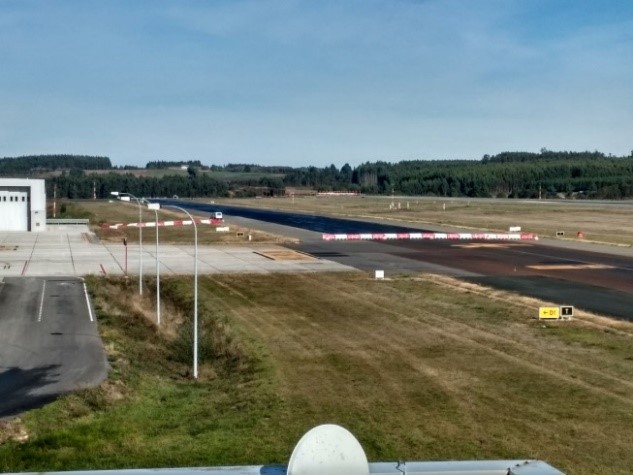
[(74, 250)]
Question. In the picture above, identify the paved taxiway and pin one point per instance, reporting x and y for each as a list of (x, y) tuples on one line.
[(49, 342), (73, 250)]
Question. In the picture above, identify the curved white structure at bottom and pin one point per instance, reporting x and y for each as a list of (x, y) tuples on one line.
[(332, 450), (328, 449)]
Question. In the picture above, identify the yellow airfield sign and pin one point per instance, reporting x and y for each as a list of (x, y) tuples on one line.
[(548, 312)]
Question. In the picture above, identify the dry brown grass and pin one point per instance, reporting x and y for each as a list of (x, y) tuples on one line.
[(464, 377), (113, 212), (13, 429), (125, 300)]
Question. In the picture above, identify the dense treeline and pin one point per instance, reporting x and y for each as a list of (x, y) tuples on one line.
[(40, 163), (508, 174), (159, 164), (100, 186), (250, 168)]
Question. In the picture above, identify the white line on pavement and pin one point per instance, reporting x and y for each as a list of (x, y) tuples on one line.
[(39, 316), (88, 303)]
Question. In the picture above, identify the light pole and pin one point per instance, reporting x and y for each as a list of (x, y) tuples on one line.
[(126, 197), (156, 207), (195, 290)]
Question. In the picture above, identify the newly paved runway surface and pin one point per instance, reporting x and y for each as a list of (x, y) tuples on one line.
[(307, 222)]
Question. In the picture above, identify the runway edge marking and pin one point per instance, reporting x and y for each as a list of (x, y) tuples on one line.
[(88, 303)]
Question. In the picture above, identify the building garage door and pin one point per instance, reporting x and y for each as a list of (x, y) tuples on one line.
[(14, 210)]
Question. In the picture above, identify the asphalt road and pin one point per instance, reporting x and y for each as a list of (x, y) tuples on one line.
[(598, 282), (49, 343)]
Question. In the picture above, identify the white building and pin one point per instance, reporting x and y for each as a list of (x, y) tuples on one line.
[(22, 205)]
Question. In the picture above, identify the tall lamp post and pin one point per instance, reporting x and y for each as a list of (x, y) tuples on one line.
[(126, 197), (156, 207), (195, 290)]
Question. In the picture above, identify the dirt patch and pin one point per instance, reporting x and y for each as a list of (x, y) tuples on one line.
[(285, 255), (13, 429)]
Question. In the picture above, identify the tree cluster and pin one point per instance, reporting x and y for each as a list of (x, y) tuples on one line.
[(87, 186), (250, 168), (159, 164), (42, 163), (508, 174)]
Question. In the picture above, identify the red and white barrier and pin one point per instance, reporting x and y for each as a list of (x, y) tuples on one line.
[(152, 224), (432, 236)]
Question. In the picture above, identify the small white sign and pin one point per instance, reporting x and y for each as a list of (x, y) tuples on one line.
[(514, 229), (380, 274), (223, 229)]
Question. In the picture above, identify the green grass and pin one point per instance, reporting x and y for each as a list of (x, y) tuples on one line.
[(243, 176), (109, 212), (72, 210), (412, 374), (415, 369)]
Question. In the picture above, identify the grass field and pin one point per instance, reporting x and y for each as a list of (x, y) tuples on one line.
[(418, 368), (413, 374), (113, 212)]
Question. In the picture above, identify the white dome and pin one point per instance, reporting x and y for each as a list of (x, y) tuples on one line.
[(328, 450)]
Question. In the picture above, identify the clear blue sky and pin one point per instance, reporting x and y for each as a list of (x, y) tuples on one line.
[(314, 82)]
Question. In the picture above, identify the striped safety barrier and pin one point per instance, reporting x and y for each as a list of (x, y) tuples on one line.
[(152, 224), (432, 236)]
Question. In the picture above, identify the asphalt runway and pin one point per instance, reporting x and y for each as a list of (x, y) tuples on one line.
[(308, 222), (596, 282), (561, 273), (49, 342)]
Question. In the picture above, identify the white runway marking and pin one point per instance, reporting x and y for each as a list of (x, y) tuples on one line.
[(39, 316), (88, 303), (580, 266)]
